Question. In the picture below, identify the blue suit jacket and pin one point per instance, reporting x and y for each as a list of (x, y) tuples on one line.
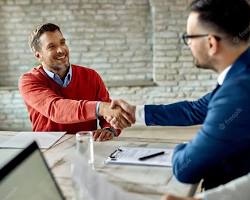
[(220, 151)]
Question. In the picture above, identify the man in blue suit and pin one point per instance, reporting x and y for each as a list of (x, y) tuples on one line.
[(218, 33)]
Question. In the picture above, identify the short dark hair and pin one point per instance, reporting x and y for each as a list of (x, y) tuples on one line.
[(231, 17), (34, 39)]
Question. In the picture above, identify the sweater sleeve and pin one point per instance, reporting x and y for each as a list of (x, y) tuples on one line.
[(40, 97), (103, 96)]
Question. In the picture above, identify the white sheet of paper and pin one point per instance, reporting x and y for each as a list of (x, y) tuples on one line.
[(131, 155), (93, 186), (44, 139)]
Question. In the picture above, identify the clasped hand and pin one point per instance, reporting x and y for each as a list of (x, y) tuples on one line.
[(118, 113)]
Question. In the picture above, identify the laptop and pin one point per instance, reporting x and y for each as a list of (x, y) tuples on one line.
[(27, 176)]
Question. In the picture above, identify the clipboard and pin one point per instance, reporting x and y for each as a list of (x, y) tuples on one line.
[(131, 155)]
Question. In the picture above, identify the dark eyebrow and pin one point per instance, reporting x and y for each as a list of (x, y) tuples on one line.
[(50, 44)]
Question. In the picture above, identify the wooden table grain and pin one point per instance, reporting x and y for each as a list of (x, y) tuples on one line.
[(148, 182)]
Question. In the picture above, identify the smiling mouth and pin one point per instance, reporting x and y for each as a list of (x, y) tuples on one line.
[(61, 57)]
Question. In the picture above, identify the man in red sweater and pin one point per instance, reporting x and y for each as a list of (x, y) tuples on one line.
[(64, 97)]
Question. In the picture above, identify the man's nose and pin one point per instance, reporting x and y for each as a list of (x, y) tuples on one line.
[(59, 50)]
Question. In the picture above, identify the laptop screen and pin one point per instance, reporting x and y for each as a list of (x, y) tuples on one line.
[(27, 176)]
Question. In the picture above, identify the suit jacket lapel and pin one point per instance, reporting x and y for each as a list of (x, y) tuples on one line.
[(240, 65)]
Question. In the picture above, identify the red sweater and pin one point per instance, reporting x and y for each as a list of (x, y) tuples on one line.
[(54, 108)]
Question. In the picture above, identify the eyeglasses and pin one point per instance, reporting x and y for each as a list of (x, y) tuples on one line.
[(186, 38)]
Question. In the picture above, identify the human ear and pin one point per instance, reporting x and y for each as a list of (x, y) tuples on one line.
[(213, 45), (38, 55)]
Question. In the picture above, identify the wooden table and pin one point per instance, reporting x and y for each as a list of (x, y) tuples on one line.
[(150, 182)]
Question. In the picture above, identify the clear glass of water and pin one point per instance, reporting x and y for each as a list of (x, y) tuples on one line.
[(85, 154), (85, 146)]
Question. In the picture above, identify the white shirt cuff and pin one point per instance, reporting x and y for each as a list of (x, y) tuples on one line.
[(200, 195), (140, 115), (97, 109)]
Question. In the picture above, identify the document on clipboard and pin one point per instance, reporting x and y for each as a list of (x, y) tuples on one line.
[(141, 156)]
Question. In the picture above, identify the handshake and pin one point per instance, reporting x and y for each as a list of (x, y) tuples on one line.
[(118, 113)]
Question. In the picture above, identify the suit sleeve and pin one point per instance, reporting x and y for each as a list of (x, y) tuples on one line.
[(60, 110), (183, 113), (219, 138)]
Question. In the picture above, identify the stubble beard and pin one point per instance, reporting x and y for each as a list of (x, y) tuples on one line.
[(200, 65), (61, 69)]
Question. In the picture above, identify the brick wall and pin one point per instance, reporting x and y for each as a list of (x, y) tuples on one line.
[(112, 36), (135, 43)]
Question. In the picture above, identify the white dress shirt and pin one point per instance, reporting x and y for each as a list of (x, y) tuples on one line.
[(238, 189)]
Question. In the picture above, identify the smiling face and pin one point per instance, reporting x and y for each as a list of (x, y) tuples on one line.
[(53, 52)]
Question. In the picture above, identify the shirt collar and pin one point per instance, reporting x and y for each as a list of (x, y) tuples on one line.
[(57, 79), (223, 75)]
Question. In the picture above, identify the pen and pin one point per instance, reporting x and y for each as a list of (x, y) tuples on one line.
[(152, 155)]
